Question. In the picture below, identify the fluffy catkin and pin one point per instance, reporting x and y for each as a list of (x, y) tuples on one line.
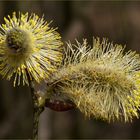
[(100, 80), (29, 48)]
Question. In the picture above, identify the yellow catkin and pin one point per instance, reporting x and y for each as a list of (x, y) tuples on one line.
[(101, 81), (29, 48)]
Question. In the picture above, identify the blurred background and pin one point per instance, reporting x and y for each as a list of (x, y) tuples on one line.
[(119, 21)]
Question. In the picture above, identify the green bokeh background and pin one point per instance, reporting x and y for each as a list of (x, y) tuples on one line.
[(119, 21)]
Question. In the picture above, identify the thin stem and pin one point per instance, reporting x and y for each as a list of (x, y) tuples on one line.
[(37, 110)]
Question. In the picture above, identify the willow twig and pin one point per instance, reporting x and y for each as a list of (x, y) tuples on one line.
[(37, 110)]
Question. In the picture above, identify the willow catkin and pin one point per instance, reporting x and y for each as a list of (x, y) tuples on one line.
[(101, 81), (29, 48)]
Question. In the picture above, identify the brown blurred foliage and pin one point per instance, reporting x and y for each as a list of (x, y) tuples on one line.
[(117, 20)]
